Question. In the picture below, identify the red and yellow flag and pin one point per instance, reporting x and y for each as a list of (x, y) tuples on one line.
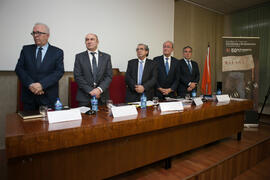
[(206, 80)]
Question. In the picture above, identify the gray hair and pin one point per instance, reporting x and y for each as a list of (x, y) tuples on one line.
[(187, 47), (47, 29), (145, 47), (93, 35), (169, 42)]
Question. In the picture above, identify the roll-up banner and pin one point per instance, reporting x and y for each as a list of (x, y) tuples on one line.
[(240, 67)]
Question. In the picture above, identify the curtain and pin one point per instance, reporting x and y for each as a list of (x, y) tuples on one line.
[(255, 22)]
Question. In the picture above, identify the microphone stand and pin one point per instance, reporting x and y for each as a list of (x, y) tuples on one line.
[(265, 99)]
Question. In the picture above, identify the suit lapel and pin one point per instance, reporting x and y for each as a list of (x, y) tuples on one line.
[(87, 61), (186, 66), (34, 59), (172, 65), (161, 61), (192, 66), (135, 65), (46, 57), (100, 63), (145, 70)]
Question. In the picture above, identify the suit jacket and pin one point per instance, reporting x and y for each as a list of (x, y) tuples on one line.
[(164, 80), (84, 76), (185, 77), (148, 79), (50, 72)]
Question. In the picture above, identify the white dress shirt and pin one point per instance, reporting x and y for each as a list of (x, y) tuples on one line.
[(169, 61)]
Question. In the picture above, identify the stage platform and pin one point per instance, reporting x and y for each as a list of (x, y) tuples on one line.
[(225, 159)]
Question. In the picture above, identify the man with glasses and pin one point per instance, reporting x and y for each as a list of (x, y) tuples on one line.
[(92, 72), (39, 68), (140, 76), (189, 74), (167, 80)]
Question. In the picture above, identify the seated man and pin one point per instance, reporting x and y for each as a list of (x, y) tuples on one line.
[(167, 80), (141, 75)]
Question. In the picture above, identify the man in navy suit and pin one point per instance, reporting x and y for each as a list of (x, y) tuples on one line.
[(140, 76), (167, 80), (39, 69), (189, 74), (92, 72)]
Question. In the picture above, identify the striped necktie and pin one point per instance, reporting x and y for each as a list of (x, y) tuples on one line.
[(189, 66), (167, 65)]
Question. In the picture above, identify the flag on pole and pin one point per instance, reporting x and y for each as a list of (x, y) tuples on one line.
[(206, 80)]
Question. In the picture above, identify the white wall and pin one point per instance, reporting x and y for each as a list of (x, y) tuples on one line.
[(120, 25)]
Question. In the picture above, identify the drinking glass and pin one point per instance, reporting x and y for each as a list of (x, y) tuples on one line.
[(43, 110), (155, 101), (109, 104), (187, 97)]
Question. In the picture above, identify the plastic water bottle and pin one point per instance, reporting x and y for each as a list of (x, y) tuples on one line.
[(94, 103), (58, 105), (193, 93), (143, 101)]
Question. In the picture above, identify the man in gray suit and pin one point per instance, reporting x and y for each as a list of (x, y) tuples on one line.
[(92, 72)]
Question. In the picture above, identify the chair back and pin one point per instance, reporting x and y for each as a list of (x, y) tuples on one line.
[(72, 92), (117, 89)]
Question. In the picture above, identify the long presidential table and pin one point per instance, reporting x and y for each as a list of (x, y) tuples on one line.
[(100, 146)]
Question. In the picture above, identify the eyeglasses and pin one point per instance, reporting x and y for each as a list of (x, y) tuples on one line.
[(37, 33), (137, 49), (187, 51), (167, 46)]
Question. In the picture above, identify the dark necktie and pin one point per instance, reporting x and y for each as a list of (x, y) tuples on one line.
[(189, 66), (94, 66), (39, 57), (167, 65)]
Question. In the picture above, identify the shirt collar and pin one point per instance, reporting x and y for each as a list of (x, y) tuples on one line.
[(142, 60), (169, 58), (96, 51), (187, 60), (44, 47)]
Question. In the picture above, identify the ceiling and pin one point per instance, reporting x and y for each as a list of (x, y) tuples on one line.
[(226, 6)]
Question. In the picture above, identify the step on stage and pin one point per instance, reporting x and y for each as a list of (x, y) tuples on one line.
[(224, 159)]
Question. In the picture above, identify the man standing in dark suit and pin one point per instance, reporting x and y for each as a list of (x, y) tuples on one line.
[(189, 74), (141, 75), (92, 72), (39, 69), (167, 80)]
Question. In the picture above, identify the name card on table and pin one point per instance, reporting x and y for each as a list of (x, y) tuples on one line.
[(121, 111), (198, 101), (64, 125), (171, 106), (223, 98), (64, 115)]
